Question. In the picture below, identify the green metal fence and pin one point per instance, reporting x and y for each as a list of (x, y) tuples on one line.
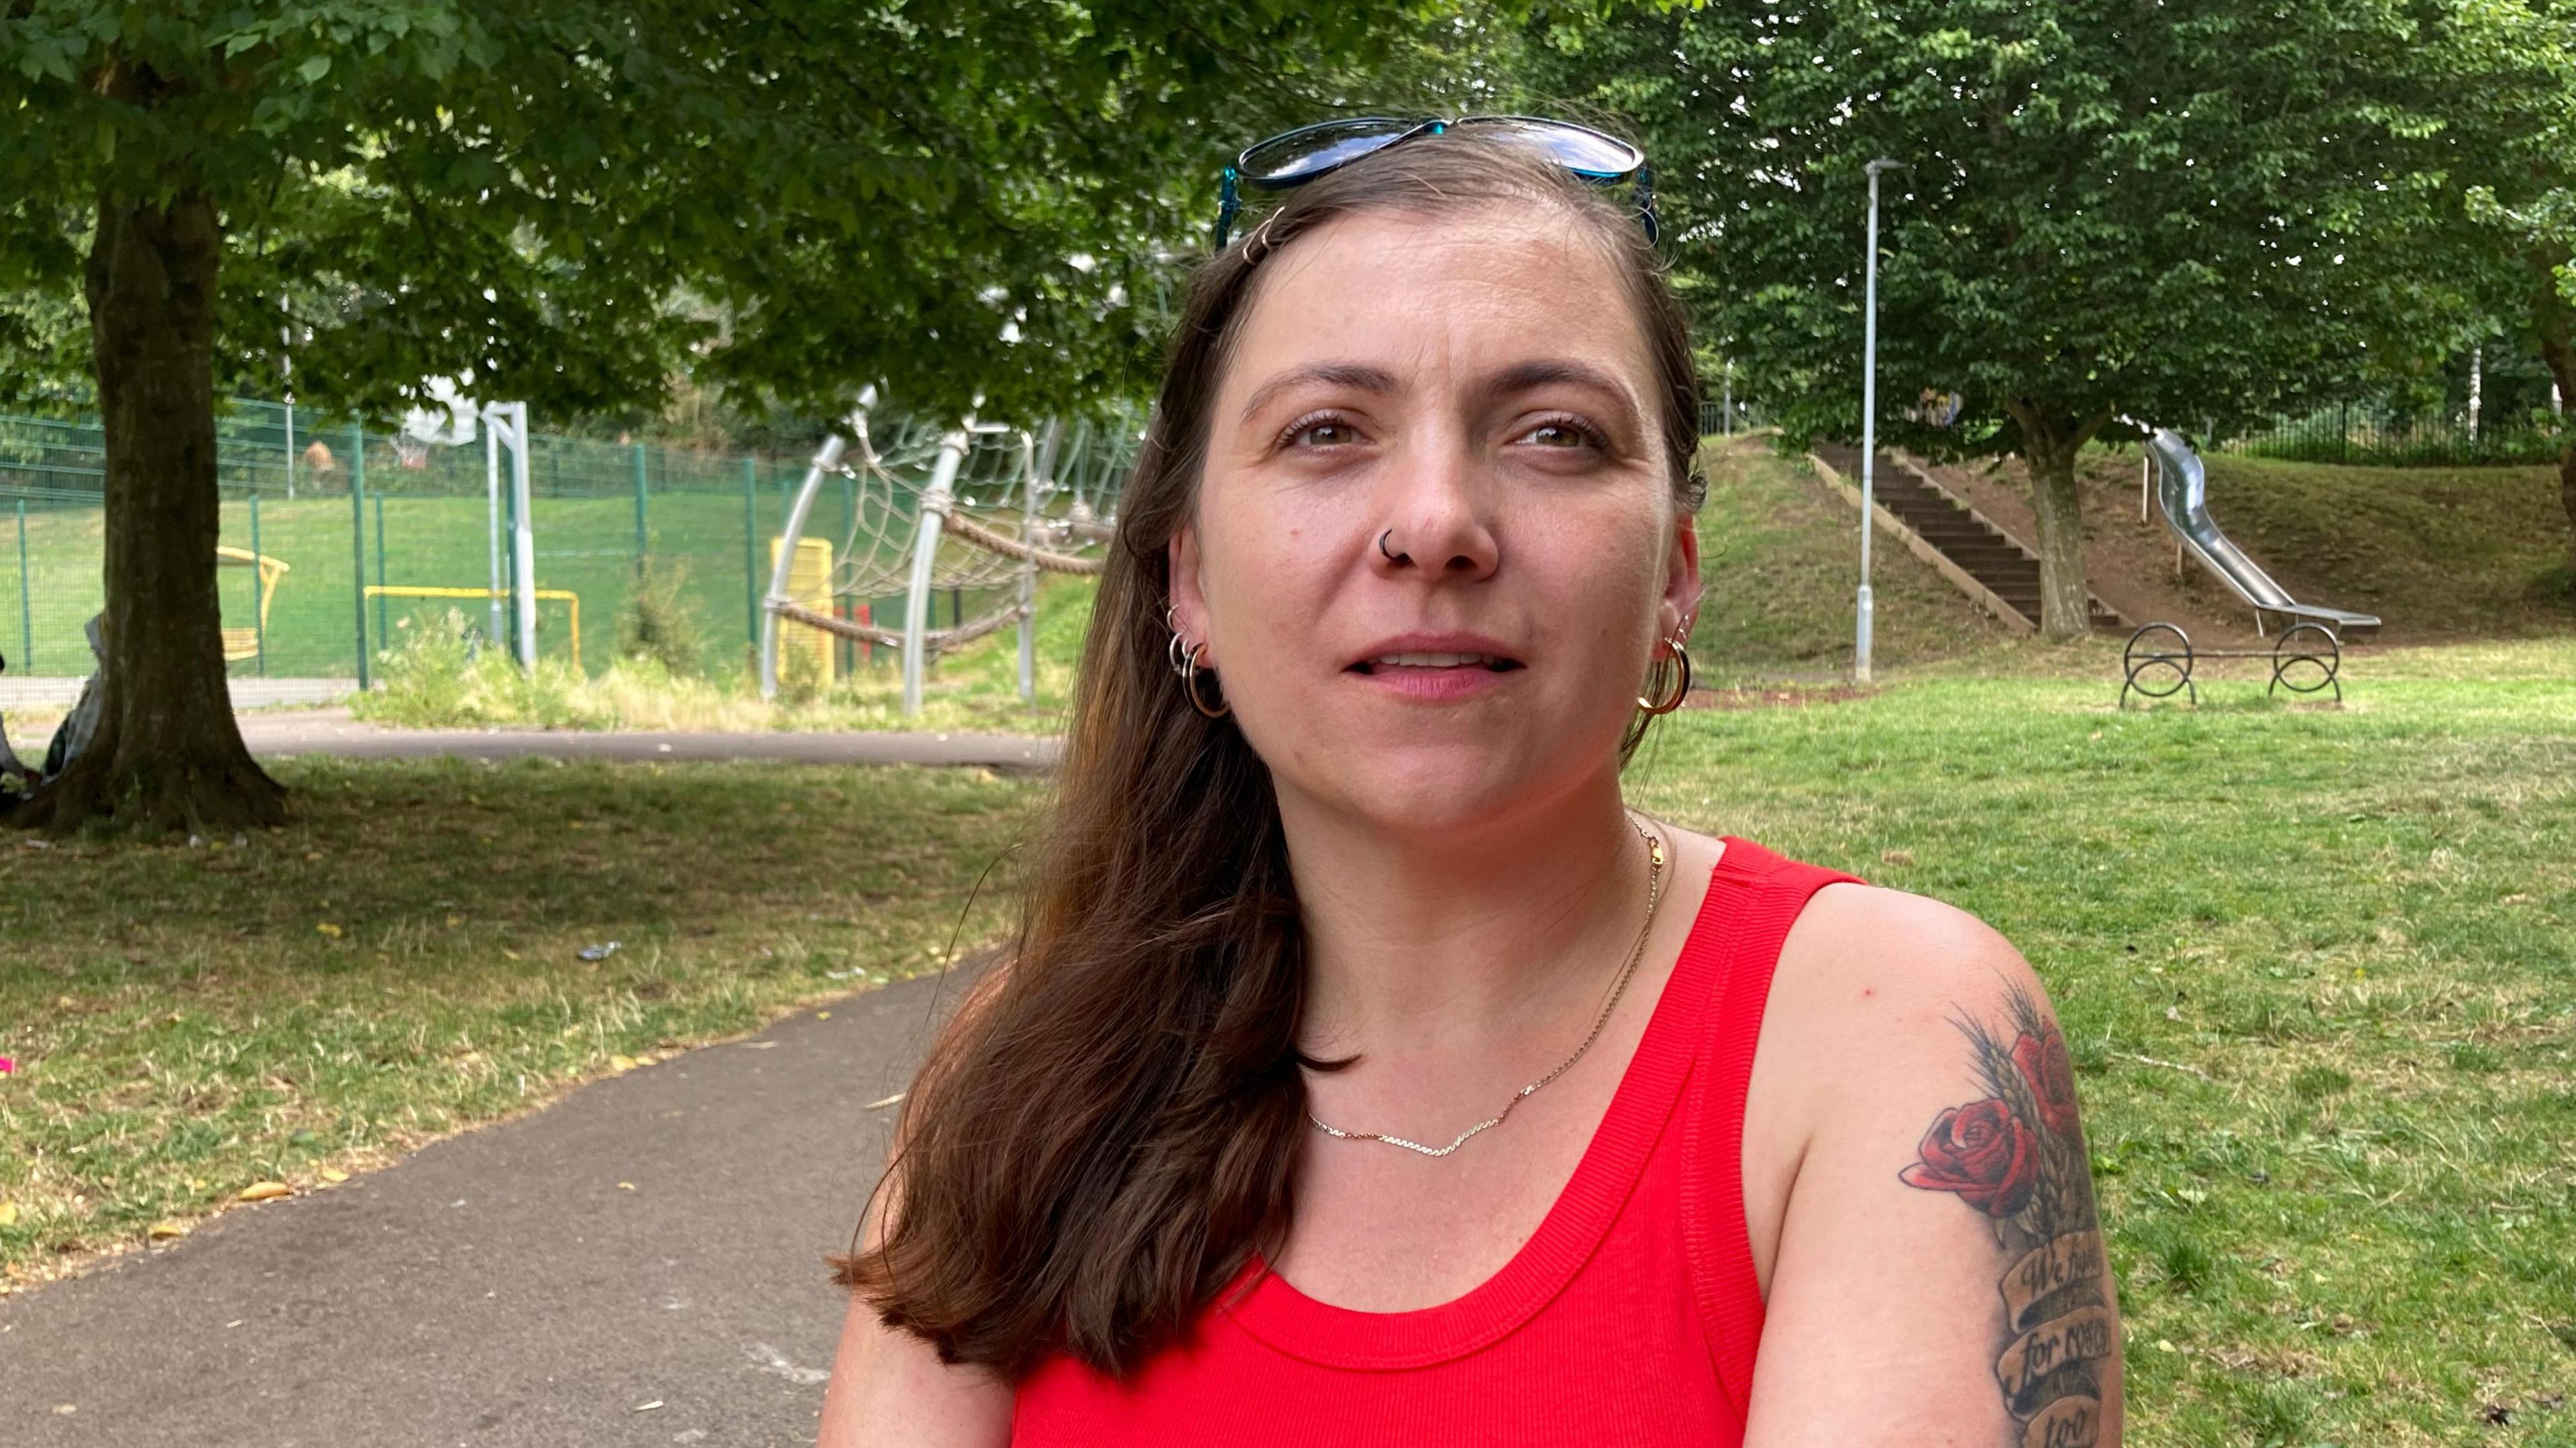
[(343, 509)]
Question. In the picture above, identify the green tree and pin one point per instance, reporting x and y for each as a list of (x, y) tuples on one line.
[(2511, 65), (564, 202), (2191, 213)]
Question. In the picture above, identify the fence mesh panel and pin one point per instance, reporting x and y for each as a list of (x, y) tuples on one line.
[(315, 511)]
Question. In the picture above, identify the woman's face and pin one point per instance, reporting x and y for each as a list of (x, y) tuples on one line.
[(1435, 540)]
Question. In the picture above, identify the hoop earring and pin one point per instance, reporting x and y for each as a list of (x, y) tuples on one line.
[(1172, 643), (1681, 689), (1190, 686)]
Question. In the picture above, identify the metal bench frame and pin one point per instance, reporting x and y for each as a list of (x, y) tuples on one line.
[(2306, 658)]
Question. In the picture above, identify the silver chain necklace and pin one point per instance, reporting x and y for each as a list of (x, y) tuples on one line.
[(1654, 897)]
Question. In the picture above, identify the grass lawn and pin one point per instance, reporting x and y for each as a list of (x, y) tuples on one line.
[(2317, 971), (404, 961)]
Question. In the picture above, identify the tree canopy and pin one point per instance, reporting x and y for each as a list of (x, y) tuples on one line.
[(2193, 214), (2510, 67), (561, 203), (568, 200)]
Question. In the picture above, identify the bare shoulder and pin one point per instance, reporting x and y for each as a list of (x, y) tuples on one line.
[(1877, 1011), (1875, 983), (1918, 1189), (1885, 944)]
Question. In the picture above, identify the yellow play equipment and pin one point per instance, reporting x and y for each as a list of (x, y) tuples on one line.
[(244, 643), (808, 654), (564, 596)]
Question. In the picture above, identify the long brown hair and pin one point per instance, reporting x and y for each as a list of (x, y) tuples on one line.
[(1102, 1138)]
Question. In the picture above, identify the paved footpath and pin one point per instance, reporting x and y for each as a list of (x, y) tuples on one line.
[(332, 731), (639, 1264)]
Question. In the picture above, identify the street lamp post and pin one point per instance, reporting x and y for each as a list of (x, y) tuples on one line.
[(1866, 609)]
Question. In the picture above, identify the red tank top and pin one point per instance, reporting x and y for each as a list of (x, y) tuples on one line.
[(1630, 1317)]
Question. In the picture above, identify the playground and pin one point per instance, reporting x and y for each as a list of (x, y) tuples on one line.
[(381, 530), (656, 467)]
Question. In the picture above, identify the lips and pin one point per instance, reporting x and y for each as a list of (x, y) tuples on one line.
[(1414, 654), (1436, 661)]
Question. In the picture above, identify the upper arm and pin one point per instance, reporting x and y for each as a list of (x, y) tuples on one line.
[(888, 1386), (1915, 1163)]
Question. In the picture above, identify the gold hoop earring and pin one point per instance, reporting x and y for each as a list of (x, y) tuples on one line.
[(1190, 686), (1681, 683)]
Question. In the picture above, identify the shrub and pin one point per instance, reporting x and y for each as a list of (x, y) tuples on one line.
[(658, 624), (441, 676)]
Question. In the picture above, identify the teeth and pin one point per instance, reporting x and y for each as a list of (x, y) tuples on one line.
[(1435, 661)]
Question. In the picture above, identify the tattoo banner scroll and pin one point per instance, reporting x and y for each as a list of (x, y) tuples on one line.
[(2066, 1423), (2073, 1260), (2061, 1342), (2018, 1156)]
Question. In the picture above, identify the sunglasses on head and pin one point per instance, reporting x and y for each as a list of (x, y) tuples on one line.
[(1293, 158)]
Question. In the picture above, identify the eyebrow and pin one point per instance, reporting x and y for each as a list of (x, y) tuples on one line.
[(1337, 374), (1551, 371), (1517, 378)]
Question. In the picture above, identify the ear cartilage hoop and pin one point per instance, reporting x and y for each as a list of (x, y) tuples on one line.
[(1172, 644)]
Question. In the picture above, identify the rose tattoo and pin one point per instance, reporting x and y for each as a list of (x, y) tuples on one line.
[(1982, 1152)]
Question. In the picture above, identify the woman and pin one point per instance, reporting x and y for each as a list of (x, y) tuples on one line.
[(1365, 1071)]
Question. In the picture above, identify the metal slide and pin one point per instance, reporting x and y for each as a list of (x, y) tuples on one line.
[(2182, 489)]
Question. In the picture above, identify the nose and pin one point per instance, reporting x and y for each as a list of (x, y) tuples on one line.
[(1433, 519)]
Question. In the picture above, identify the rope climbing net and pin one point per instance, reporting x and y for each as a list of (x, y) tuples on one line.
[(972, 508)]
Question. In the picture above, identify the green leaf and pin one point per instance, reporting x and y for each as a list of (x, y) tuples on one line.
[(314, 68)]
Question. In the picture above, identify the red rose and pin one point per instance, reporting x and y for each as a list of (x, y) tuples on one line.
[(2043, 1064), (1984, 1153)]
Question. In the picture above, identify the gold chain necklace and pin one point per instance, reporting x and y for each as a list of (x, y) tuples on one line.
[(1654, 897)]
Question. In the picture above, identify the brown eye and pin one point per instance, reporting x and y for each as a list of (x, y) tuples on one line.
[(1563, 432), (1320, 432)]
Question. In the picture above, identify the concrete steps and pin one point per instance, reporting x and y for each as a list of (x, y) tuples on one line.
[(2001, 567)]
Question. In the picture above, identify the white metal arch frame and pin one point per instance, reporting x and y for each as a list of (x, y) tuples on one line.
[(992, 555)]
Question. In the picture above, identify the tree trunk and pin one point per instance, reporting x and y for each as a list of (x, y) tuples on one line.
[(2558, 349), (2049, 447), (167, 755)]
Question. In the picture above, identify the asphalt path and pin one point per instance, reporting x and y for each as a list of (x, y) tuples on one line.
[(333, 732), (640, 1263)]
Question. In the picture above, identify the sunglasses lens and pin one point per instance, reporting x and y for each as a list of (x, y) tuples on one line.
[(1304, 154), (1579, 149)]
